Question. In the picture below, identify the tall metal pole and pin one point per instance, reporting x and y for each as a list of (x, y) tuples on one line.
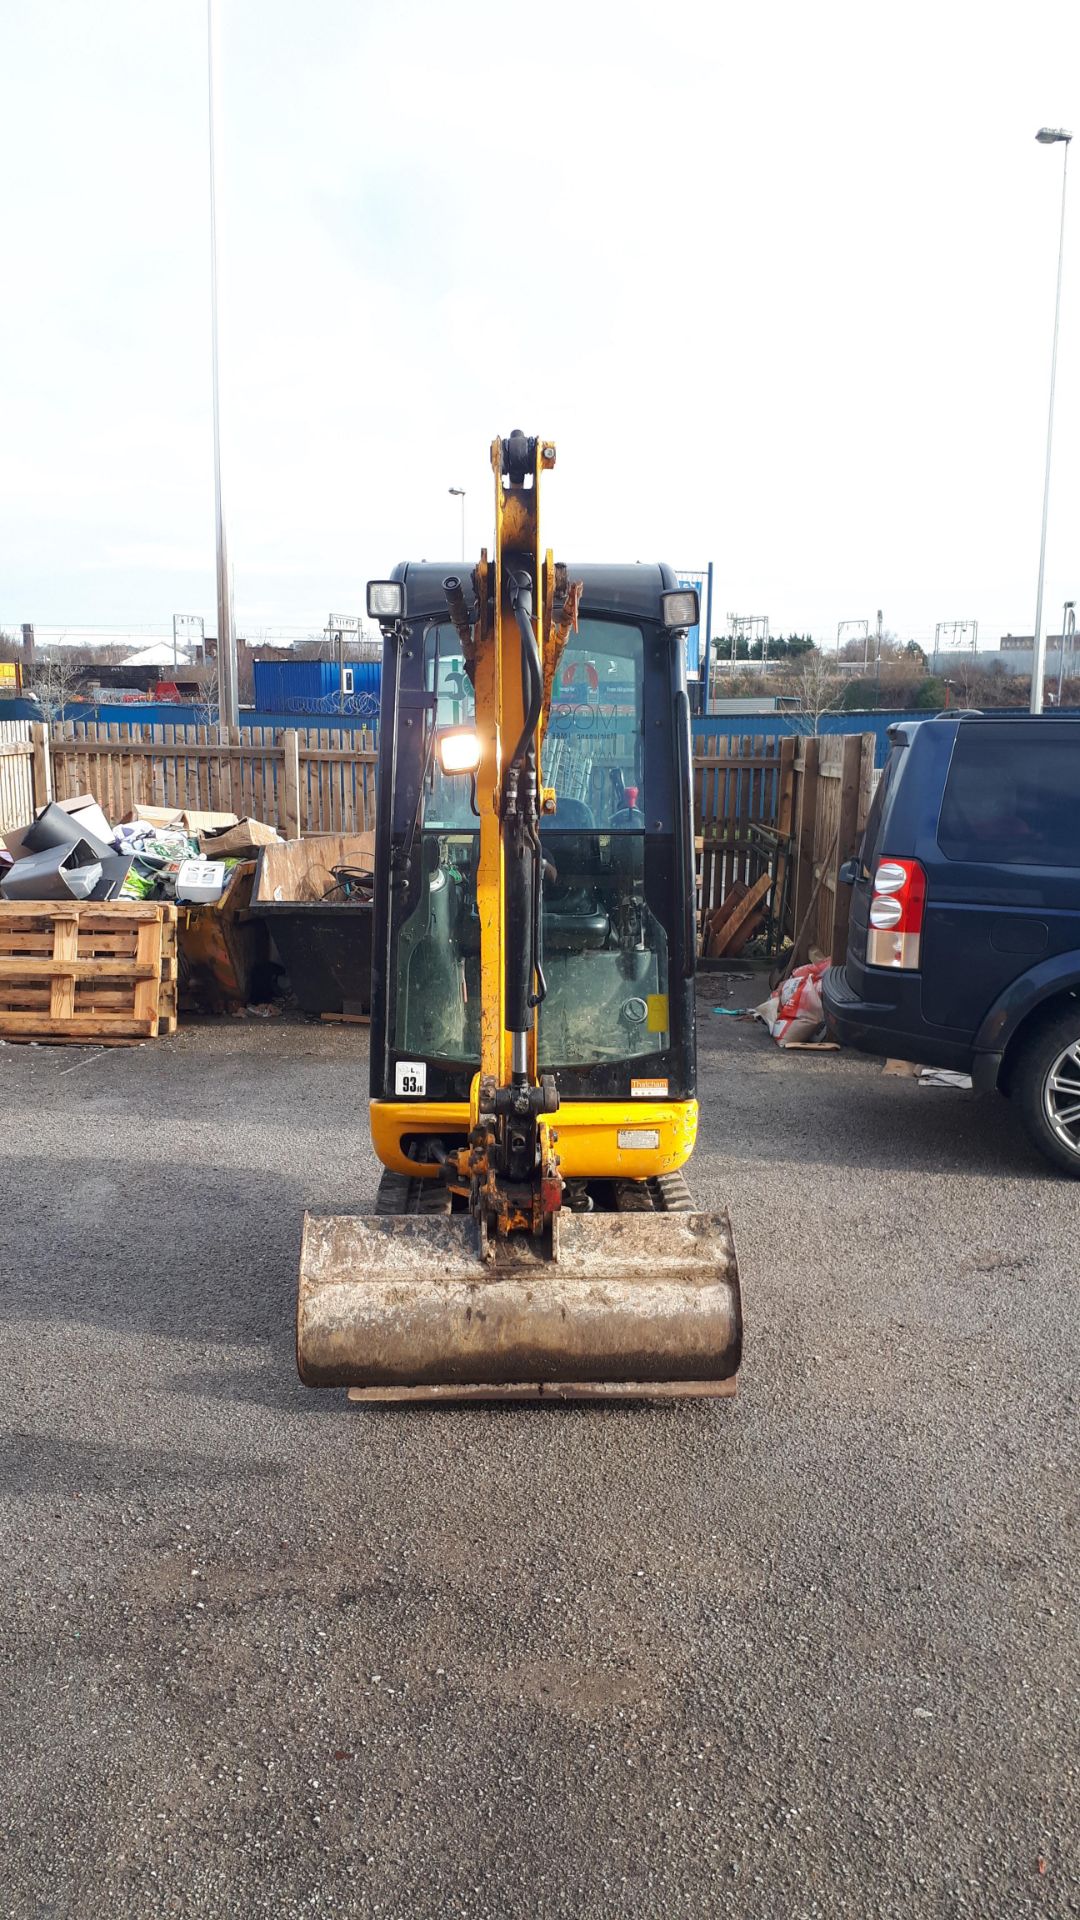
[(706, 705), (1049, 137), (228, 691)]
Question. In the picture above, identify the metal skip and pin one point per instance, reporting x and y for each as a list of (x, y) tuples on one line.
[(407, 1303)]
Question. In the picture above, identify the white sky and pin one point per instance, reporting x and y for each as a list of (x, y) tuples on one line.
[(778, 280)]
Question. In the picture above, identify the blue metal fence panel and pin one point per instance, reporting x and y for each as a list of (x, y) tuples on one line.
[(771, 725), (174, 713), (364, 715)]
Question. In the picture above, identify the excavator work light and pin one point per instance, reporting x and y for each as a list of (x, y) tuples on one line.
[(460, 750), (386, 599), (680, 607)]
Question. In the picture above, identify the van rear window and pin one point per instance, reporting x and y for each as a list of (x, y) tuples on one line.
[(1012, 798)]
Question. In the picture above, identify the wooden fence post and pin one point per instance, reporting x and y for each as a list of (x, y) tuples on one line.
[(805, 828), (290, 740), (846, 838), (41, 765), (785, 821), (866, 779)]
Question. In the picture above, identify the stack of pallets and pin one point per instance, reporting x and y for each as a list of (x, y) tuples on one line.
[(79, 971)]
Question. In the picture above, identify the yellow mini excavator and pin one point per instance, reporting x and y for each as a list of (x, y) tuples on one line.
[(532, 1033)]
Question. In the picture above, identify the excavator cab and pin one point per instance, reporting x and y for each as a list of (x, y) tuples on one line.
[(532, 1031)]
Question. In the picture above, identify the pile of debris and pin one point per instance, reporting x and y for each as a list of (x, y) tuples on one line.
[(71, 852), (107, 931)]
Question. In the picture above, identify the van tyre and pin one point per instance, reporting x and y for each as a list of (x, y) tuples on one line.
[(1046, 1089)]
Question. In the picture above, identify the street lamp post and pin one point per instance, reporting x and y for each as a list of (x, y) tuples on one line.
[(228, 690), (1048, 137), (459, 494)]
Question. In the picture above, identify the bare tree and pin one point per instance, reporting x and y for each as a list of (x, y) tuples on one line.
[(208, 704), (53, 683), (820, 689)]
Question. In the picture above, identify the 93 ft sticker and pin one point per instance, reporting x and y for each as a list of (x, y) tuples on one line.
[(410, 1076)]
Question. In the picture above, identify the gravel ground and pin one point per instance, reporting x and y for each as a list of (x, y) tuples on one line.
[(808, 1653)]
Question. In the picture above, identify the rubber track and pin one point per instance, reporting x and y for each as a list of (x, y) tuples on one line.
[(668, 1193), (633, 1196), (671, 1194), (393, 1194), (431, 1197), (398, 1193)]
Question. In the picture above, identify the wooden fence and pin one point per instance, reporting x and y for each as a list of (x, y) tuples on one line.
[(301, 780), (793, 807), (781, 816), (835, 781), (16, 774)]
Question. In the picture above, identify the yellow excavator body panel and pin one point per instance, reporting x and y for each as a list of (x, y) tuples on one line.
[(598, 1139)]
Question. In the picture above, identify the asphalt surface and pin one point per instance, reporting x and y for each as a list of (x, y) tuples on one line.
[(809, 1653)]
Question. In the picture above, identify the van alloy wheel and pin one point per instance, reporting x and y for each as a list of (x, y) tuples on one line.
[(1061, 1097), (1045, 1084)]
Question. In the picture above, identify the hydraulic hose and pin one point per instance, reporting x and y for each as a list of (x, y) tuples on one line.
[(521, 842), (519, 588), (459, 613), (540, 992)]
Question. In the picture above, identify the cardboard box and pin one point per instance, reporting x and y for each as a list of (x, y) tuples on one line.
[(191, 821), (152, 816), (206, 822), (241, 842)]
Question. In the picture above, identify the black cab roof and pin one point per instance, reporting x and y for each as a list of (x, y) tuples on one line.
[(632, 590)]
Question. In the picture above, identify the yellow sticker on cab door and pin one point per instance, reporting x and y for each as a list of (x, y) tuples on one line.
[(657, 1004)]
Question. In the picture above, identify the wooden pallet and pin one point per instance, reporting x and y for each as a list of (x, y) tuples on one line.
[(79, 970)]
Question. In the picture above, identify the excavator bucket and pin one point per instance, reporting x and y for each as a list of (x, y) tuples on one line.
[(634, 1304)]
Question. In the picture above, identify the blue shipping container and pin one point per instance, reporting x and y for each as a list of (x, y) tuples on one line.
[(313, 686)]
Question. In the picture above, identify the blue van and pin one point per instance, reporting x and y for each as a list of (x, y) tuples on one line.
[(964, 937)]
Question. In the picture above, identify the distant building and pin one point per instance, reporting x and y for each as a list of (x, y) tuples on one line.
[(762, 703), (160, 654), (1018, 649)]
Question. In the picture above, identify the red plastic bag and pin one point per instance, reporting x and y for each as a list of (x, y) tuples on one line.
[(799, 1014)]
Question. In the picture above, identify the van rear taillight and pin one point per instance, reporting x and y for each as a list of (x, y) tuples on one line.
[(896, 914)]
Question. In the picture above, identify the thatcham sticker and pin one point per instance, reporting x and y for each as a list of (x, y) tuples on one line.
[(648, 1089), (410, 1076)]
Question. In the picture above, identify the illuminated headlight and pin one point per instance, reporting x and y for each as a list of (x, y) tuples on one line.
[(386, 599), (680, 608), (460, 750)]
